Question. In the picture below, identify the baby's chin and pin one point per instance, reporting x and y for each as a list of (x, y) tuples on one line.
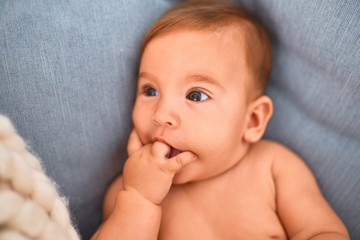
[(181, 178), (184, 176), (180, 181)]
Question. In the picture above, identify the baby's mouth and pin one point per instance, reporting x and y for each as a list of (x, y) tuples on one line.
[(173, 152)]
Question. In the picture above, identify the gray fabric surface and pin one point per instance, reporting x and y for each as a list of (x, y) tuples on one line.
[(67, 76)]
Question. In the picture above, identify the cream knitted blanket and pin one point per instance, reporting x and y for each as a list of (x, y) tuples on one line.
[(30, 206)]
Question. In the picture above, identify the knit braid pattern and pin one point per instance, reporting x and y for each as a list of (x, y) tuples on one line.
[(30, 205)]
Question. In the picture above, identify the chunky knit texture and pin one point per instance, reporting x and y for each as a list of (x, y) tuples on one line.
[(30, 206)]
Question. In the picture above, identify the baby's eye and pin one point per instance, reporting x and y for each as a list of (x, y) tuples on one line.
[(151, 92), (197, 96)]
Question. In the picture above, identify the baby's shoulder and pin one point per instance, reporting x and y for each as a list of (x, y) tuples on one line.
[(269, 149), (282, 158), (272, 148)]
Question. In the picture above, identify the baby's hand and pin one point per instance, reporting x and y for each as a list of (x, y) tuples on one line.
[(149, 171)]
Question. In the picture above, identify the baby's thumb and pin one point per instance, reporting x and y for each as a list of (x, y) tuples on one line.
[(179, 161)]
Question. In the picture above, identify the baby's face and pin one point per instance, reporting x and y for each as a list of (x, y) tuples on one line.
[(192, 95)]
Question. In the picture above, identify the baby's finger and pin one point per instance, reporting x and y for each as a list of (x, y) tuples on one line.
[(160, 149), (134, 142), (174, 164)]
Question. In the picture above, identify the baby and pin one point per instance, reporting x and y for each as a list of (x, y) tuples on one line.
[(198, 167)]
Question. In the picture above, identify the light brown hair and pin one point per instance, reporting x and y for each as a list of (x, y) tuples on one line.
[(213, 15)]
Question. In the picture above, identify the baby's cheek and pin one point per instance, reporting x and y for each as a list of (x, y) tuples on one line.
[(143, 135), (137, 126), (139, 118)]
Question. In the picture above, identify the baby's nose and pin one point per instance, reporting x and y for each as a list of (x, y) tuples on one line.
[(166, 115)]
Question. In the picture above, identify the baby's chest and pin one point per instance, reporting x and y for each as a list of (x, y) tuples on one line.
[(246, 214)]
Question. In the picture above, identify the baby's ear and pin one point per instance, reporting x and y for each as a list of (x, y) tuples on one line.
[(259, 113)]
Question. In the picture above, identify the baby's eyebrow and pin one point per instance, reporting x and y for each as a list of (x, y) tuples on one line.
[(203, 78), (147, 76), (189, 78)]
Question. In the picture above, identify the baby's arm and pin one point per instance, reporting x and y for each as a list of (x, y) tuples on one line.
[(132, 204), (303, 210), (128, 215)]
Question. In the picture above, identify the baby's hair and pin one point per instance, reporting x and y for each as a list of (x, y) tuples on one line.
[(214, 15)]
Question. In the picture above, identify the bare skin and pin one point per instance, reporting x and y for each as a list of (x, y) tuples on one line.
[(197, 166)]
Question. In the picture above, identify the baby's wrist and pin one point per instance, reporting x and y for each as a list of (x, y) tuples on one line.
[(136, 196), (133, 212)]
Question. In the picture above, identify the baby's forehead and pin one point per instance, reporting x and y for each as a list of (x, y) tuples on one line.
[(237, 39)]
